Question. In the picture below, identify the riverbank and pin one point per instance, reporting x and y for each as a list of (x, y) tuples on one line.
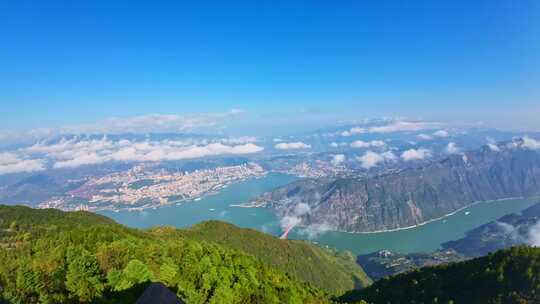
[(441, 217)]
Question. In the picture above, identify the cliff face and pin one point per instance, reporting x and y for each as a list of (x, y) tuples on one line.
[(413, 196)]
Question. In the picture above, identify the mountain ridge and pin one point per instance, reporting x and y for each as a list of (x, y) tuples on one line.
[(293, 256), (412, 196)]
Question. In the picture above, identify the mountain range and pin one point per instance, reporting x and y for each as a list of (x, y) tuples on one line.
[(415, 195)]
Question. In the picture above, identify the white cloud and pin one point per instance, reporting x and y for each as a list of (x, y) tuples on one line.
[(452, 148), (441, 133), (367, 144), (8, 158), (73, 153), (152, 123), (338, 159), (534, 235), (13, 163), (295, 217), (336, 144), (238, 140), (156, 153), (530, 143), (353, 131), (415, 154), (371, 159), (396, 126), (424, 136), (314, 230), (292, 146), (402, 126), (493, 147), (302, 209), (144, 124), (289, 221)]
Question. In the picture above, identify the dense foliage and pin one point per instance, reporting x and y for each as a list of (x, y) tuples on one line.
[(504, 277), (50, 256), (322, 267)]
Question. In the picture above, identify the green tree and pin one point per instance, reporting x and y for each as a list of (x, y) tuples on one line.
[(83, 275), (167, 272), (26, 282), (136, 272), (14, 226)]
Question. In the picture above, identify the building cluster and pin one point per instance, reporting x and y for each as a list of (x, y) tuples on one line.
[(140, 188)]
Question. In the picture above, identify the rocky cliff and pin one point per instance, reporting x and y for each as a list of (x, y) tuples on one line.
[(416, 195)]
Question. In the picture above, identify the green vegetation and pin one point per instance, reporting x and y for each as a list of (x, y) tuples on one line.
[(321, 267), (49, 256), (509, 276)]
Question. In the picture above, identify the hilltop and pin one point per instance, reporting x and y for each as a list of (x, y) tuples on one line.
[(336, 272), (50, 256)]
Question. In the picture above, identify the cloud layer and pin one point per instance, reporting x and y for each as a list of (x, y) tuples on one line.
[(452, 148), (371, 159), (530, 143), (338, 159), (292, 146), (368, 144), (396, 126), (143, 124), (13, 163), (71, 153), (152, 123), (534, 235), (416, 154)]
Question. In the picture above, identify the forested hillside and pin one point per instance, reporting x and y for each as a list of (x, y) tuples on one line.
[(508, 276), (322, 267), (50, 256)]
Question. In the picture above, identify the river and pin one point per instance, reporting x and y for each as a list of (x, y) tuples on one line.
[(217, 207)]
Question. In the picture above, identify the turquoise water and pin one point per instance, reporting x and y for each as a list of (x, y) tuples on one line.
[(429, 236), (212, 207), (216, 207)]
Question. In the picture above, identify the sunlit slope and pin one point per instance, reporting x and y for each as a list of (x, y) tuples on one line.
[(322, 267), (50, 256)]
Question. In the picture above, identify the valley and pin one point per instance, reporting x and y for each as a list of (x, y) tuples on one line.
[(423, 238), (414, 196)]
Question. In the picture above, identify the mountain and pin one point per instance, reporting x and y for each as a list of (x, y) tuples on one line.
[(323, 268), (31, 189), (51, 256), (508, 276), (415, 195)]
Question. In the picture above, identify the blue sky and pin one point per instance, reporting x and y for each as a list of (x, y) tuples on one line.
[(284, 62)]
